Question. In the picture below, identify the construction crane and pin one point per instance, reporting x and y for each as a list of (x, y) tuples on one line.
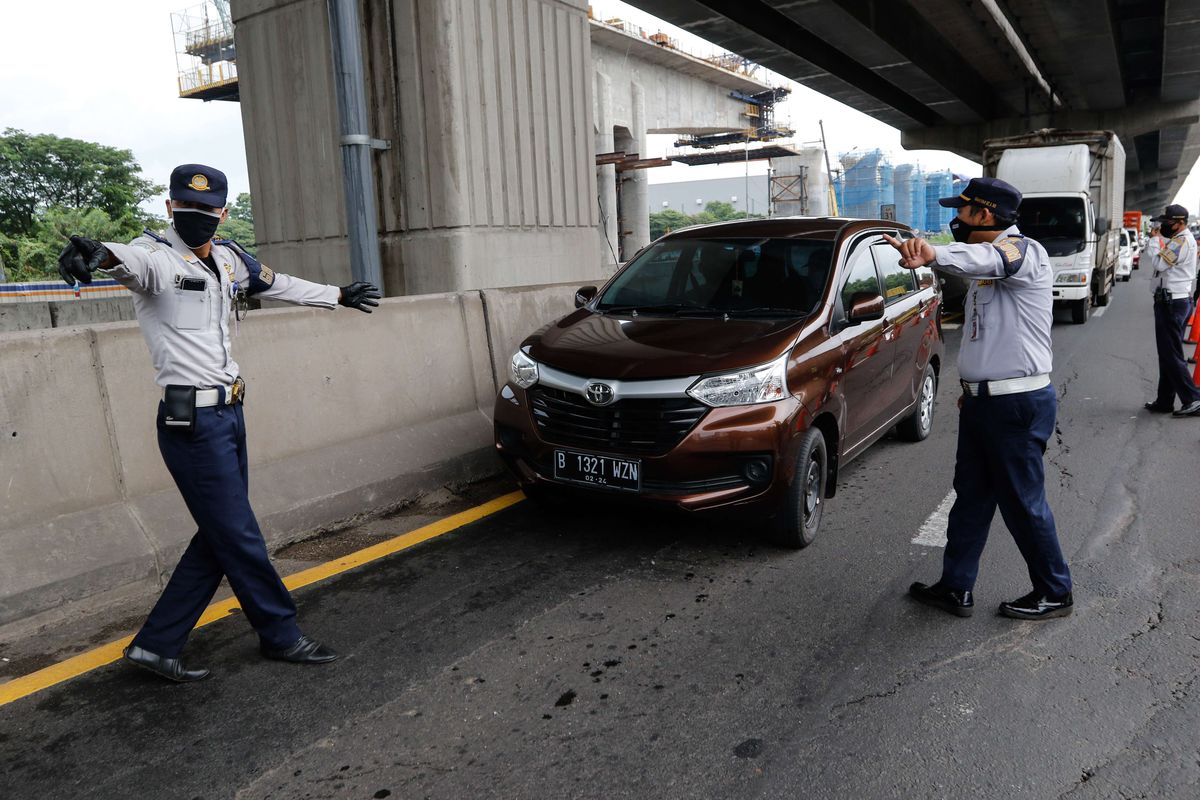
[(205, 56)]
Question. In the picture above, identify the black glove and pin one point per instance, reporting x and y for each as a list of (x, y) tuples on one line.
[(80, 259), (359, 295)]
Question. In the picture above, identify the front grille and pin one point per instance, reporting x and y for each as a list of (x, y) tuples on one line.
[(627, 426)]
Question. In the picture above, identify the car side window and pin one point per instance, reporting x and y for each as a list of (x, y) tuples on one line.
[(897, 281), (860, 274)]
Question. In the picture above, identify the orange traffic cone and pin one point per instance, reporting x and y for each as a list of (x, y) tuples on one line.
[(1190, 325)]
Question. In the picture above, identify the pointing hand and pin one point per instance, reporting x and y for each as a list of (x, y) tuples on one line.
[(914, 253)]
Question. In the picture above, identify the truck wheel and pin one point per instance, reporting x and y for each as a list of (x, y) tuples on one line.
[(799, 515), (917, 425), (1079, 310)]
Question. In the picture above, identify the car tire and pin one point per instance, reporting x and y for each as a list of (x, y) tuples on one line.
[(1079, 311), (917, 425), (799, 516)]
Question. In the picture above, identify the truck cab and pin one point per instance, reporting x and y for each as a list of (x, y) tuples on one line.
[(1072, 184)]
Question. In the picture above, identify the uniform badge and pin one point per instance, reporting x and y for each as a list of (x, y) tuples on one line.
[(266, 275), (199, 183), (985, 283), (1010, 250)]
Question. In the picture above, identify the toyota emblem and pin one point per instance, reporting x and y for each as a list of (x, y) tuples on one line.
[(599, 394)]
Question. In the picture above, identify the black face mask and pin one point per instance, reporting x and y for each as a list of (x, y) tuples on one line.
[(194, 226), (961, 231), (1167, 230)]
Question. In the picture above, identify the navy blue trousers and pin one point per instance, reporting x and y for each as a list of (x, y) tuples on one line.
[(1174, 380), (1001, 444), (210, 468)]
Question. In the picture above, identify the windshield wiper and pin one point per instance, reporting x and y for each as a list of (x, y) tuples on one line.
[(767, 311), (660, 308)]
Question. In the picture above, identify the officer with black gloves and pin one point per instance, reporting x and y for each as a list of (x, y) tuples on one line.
[(186, 288)]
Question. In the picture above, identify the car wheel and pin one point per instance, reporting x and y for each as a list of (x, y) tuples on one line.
[(1079, 310), (799, 516), (917, 425)]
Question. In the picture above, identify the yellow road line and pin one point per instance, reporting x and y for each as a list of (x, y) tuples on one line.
[(108, 653)]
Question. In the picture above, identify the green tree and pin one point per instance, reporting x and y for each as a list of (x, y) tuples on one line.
[(240, 225), (42, 171), (662, 222), (35, 256)]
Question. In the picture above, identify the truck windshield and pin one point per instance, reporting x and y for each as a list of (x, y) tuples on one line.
[(1058, 223), (749, 277)]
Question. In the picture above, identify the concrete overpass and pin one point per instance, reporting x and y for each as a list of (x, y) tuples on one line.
[(949, 74)]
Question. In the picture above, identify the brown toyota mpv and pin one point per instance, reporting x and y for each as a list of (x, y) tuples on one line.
[(733, 366)]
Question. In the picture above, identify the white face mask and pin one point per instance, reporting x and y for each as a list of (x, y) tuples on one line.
[(194, 225)]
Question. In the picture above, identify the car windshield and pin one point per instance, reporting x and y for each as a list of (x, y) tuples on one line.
[(747, 277), (1058, 223)]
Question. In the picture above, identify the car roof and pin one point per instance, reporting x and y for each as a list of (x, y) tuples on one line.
[(825, 228)]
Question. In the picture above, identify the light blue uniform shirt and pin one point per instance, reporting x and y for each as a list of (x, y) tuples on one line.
[(1009, 308)]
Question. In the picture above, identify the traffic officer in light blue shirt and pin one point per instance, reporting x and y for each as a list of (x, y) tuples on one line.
[(1172, 282), (1008, 402), (187, 291)]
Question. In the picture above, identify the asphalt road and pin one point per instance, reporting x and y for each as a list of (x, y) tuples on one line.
[(595, 654)]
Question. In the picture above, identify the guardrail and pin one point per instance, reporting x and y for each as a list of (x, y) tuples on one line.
[(88, 513)]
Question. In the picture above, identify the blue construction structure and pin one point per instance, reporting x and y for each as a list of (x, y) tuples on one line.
[(867, 180), (910, 196), (938, 185)]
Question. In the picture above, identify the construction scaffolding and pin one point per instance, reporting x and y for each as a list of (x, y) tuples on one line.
[(866, 184), (205, 57), (938, 185), (910, 196), (759, 113)]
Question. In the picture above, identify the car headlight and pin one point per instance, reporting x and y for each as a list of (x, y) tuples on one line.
[(1071, 277), (746, 387), (522, 370)]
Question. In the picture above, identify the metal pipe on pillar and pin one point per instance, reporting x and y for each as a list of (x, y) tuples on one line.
[(357, 173)]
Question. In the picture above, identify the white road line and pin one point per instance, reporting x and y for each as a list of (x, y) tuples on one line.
[(951, 326), (933, 529), (1099, 312)]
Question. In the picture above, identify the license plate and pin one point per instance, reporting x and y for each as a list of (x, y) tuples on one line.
[(603, 471)]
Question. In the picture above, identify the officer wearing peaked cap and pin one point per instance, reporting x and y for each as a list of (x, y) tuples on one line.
[(186, 288), (1008, 402), (1173, 278)]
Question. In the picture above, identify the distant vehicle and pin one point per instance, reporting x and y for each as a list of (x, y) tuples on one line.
[(735, 366), (1073, 184), (1125, 255)]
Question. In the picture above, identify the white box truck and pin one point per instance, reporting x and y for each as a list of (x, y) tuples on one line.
[(1073, 183)]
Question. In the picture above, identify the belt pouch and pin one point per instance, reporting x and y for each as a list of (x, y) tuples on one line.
[(180, 407)]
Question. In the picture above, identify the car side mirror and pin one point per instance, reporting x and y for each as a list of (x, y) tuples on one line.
[(865, 306), (584, 295), (1101, 225)]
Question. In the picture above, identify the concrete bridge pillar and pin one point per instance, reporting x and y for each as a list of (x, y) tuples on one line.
[(489, 180), (606, 176), (634, 204)]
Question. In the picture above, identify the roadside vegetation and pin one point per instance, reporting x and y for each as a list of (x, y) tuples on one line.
[(52, 187)]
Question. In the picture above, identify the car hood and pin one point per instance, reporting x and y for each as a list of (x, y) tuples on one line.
[(620, 347)]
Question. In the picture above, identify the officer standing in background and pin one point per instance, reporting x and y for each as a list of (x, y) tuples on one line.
[(1174, 275), (186, 287), (1008, 402)]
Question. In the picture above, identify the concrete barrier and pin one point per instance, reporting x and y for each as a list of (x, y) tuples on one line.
[(347, 414)]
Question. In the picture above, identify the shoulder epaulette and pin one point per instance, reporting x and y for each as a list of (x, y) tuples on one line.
[(156, 237), (261, 276)]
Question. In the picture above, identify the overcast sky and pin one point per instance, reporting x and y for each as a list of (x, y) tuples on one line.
[(106, 72)]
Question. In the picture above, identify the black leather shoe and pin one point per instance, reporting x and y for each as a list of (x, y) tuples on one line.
[(304, 651), (1159, 409), (170, 668), (1192, 409), (1036, 605), (960, 604)]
